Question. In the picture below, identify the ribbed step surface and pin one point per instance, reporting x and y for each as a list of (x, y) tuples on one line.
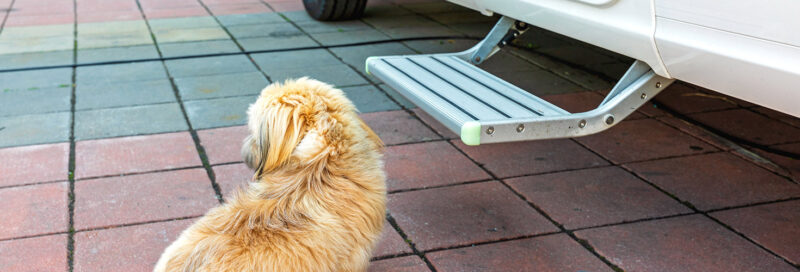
[(456, 92)]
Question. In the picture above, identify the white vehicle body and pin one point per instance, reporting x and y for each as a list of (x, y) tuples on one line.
[(746, 49)]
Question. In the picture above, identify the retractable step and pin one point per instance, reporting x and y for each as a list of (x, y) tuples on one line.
[(483, 108)]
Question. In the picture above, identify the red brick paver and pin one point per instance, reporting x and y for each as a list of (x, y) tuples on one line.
[(646, 139), (548, 253), (428, 164), (33, 210), (464, 214), (522, 158), (749, 125), (775, 226), (142, 198), (133, 248), (45, 253), (32, 164), (402, 264), (223, 144), (435, 125), (593, 197), (684, 98), (231, 177), (582, 102), (134, 154), (716, 180), (688, 243), (391, 243), (398, 127)]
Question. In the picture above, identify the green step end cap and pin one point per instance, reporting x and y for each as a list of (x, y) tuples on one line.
[(366, 65), (471, 133)]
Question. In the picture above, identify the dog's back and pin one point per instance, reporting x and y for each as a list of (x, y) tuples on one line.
[(317, 201)]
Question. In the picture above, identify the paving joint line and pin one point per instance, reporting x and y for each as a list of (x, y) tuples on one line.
[(139, 223), (8, 14), (409, 242), (72, 151), (195, 138)]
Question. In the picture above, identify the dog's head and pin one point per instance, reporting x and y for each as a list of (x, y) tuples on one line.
[(302, 121)]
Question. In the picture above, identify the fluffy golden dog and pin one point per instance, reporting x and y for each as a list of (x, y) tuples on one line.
[(316, 202)]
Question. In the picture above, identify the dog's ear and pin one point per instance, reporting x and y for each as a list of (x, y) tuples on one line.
[(280, 130)]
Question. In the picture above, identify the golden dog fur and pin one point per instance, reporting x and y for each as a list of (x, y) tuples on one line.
[(317, 200)]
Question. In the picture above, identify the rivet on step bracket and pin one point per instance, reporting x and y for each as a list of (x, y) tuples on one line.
[(658, 84), (490, 130), (478, 58), (609, 119), (520, 128), (644, 96), (582, 124)]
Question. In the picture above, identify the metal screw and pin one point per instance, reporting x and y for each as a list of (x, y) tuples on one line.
[(520, 128), (490, 130), (478, 58), (609, 120), (658, 84), (644, 96), (582, 124)]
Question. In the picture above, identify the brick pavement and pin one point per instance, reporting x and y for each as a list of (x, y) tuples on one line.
[(101, 166)]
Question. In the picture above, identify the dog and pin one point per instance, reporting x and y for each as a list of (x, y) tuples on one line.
[(317, 199)]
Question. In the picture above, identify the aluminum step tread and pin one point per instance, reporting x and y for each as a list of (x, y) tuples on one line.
[(456, 92)]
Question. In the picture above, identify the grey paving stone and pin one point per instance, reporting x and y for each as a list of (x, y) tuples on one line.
[(21, 101), (115, 122), (34, 79), (210, 66), (109, 95), (115, 39), (184, 22), (434, 7), (112, 27), (36, 44), (297, 16), (274, 61), (126, 72), (271, 43), (335, 38), (385, 11), (250, 19), (335, 26), (477, 30), (117, 53), (397, 96), (337, 75), (198, 48), (357, 55), (577, 55), (192, 88), (36, 59), (385, 22), (369, 99), (171, 35), (220, 112), (504, 61), (273, 30), (467, 16), (441, 46), (34, 129), (416, 31)]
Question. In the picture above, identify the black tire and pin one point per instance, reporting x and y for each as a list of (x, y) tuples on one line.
[(335, 10)]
